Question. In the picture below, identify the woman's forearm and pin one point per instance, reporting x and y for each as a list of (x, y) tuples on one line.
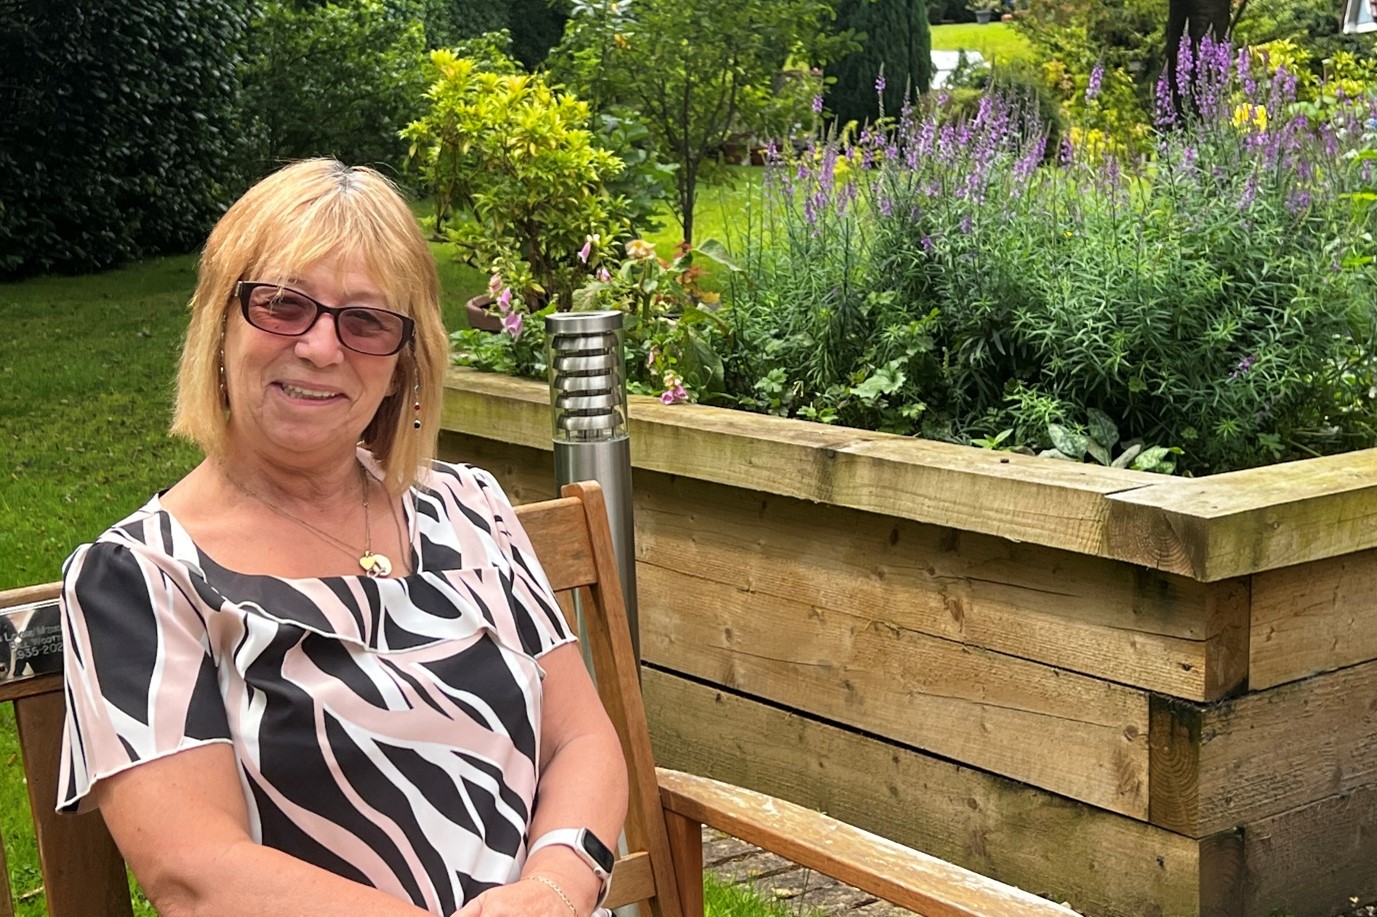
[(255, 881)]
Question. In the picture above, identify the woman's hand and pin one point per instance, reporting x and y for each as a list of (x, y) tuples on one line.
[(530, 895)]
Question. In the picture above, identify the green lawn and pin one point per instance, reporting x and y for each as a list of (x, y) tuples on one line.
[(998, 42)]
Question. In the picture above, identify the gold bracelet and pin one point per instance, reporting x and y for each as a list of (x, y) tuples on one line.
[(558, 891)]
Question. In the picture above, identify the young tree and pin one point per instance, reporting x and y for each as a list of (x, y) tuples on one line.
[(895, 42), (702, 71)]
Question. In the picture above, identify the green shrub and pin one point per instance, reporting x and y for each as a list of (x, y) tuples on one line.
[(120, 129), (516, 176), (335, 79)]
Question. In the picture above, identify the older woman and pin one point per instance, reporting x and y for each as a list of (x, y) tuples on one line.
[(322, 673)]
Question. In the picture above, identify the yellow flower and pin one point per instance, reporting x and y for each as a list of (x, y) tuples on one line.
[(1250, 116), (640, 249)]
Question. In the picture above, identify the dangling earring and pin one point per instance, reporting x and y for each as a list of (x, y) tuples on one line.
[(416, 405), (224, 392)]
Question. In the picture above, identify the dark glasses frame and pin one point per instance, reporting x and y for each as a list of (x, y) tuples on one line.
[(244, 290)]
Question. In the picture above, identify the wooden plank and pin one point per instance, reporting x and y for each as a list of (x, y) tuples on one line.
[(1227, 525), (1212, 528), (1315, 860), (1252, 757), (909, 878), (25, 595), (1103, 864), (686, 850), (1313, 617), (973, 706), (83, 872), (1014, 496), (1156, 631), (559, 526), (632, 880)]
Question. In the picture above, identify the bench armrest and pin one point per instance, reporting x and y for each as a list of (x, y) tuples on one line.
[(888, 870)]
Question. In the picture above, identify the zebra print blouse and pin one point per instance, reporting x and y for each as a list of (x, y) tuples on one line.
[(386, 730)]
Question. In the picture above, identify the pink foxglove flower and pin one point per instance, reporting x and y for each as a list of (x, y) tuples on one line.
[(504, 299), (603, 275), (494, 283), (586, 251), (511, 323), (674, 395)]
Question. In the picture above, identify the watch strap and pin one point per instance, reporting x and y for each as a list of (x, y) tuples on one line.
[(587, 847)]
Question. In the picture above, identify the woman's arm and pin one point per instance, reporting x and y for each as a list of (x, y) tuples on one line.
[(181, 824), (582, 785)]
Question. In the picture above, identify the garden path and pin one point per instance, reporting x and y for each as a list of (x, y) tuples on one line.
[(778, 879)]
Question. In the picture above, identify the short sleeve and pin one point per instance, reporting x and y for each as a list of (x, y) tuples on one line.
[(139, 674), (539, 620)]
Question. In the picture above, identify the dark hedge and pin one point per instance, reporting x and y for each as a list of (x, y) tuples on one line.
[(117, 128)]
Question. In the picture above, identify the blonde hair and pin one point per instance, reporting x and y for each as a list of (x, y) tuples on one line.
[(303, 214)]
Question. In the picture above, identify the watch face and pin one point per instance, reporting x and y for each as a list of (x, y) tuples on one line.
[(597, 850)]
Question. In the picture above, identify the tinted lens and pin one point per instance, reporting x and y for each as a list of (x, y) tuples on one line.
[(279, 311), (374, 331)]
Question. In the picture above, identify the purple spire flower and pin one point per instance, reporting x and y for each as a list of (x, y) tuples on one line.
[(1092, 90)]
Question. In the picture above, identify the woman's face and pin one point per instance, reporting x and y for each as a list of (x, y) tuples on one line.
[(307, 399)]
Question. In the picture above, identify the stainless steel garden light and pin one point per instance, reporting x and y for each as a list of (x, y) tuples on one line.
[(588, 410)]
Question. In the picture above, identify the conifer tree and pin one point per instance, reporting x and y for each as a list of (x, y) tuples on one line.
[(895, 41)]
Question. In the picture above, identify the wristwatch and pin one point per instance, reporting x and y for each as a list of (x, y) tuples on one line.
[(586, 845)]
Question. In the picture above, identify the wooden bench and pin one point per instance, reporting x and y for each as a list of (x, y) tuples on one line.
[(83, 873)]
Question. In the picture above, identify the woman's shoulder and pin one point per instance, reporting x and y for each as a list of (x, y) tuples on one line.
[(145, 535), (460, 481)]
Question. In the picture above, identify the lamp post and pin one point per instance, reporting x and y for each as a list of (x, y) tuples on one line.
[(588, 412)]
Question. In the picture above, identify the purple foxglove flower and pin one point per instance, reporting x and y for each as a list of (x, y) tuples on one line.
[(504, 299), (674, 395), (586, 251), (511, 323)]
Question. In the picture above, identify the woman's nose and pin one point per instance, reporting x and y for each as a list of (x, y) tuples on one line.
[(321, 344)]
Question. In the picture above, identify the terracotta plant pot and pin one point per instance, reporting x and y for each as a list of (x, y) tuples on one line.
[(481, 314)]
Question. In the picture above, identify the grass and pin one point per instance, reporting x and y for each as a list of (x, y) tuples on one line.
[(721, 899), (998, 42)]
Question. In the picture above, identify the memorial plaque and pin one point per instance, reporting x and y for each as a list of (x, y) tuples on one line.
[(30, 640)]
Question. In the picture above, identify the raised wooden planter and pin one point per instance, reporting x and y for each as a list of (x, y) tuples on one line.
[(1141, 695)]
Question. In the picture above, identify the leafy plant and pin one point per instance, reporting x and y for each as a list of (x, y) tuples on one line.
[(672, 328), (515, 174), (1201, 297), (1097, 441)]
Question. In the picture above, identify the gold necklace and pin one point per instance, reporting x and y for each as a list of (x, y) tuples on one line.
[(375, 565)]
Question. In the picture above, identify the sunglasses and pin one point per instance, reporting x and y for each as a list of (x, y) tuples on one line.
[(276, 309)]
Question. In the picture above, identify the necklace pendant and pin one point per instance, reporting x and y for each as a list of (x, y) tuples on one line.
[(376, 565)]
